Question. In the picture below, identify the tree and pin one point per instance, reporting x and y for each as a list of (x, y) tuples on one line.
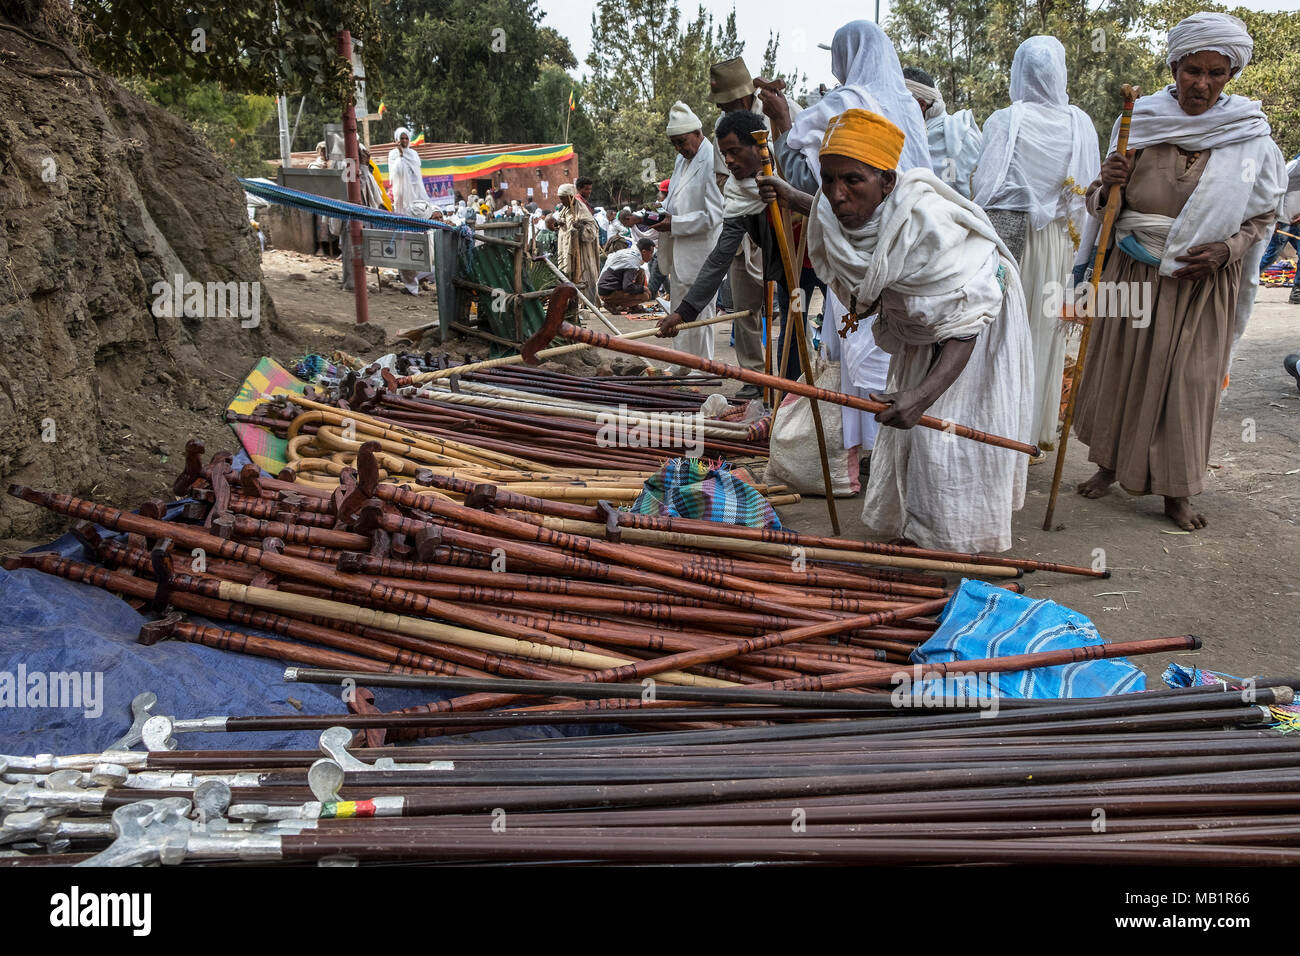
[(968, 47), (796, 83), (228, 121), (259, 46), (649, 58), (460, 70)]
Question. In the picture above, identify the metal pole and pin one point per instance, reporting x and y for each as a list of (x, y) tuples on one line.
[(353, 175), (282, 111)]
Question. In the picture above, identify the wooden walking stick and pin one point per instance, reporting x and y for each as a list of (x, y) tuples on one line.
[(794, 310), (556, 326), (1131, 93)]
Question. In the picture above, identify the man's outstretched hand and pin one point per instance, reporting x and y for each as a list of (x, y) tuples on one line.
[(668, 326)]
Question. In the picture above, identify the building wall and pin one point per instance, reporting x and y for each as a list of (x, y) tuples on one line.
[(518, 181)]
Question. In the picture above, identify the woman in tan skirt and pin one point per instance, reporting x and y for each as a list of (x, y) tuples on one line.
[(1202, 183)]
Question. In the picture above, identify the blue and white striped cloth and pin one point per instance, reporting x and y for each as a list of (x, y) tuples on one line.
[(983, 621)]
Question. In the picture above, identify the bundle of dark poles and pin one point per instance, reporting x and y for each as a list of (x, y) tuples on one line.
[(1188, 776)]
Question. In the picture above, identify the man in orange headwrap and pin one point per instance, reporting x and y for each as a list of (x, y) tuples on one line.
[(949, 310)]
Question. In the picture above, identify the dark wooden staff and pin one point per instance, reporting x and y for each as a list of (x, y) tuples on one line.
[(556, 326), (1113, 201), (795, 328)]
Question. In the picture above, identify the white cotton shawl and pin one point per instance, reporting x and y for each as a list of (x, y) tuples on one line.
[(740, 198), (405, 174), (1038, 147), (864, 60), (916, 243), (955, 146), (1244, 176)]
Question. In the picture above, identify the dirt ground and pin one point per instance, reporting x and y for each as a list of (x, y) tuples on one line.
[(1232, 584)]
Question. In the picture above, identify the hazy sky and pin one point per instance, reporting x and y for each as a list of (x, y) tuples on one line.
[(799, 38)]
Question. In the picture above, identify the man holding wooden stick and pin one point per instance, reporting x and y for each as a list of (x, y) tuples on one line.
[(951, 313), (744, 214)]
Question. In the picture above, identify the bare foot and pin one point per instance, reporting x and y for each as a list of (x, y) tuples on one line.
[(1098, 484), (1183, 514)]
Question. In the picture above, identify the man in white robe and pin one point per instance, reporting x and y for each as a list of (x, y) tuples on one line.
[(951, 314), (955, 139), (1040, 154), (691, 224), (408, 187)]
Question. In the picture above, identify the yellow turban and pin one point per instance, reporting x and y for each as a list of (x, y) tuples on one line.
[(865, 136)]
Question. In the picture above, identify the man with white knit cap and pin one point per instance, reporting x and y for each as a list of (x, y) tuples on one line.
[(955, 138), (693, 221)]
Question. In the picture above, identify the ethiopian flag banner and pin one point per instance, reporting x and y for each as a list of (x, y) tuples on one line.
[(482, 165)]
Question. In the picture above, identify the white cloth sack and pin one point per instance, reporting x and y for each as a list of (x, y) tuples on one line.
[(794, 458)]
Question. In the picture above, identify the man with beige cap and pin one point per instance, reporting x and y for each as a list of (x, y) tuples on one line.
[(693, 221), (731, 88)]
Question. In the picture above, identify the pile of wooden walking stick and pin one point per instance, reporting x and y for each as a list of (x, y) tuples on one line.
[(541, 433), (760, 678), (381, 578)]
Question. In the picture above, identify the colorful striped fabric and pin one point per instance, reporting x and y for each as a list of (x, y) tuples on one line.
[(707, 491), (482, 165), (267, 378), (1176, 675)]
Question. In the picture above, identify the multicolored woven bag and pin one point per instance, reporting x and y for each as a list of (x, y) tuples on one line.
[(707, 491)]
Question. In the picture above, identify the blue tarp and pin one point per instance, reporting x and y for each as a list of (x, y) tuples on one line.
[(56, 627), (982, 620)]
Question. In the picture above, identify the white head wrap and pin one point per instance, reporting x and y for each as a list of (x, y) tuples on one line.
[(864, 60), (929, 94), (1216, 32), (1039, 150), (1038, 72), (681, 119), (567, 189), (399, 133)]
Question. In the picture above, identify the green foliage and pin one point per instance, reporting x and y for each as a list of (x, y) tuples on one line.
[(228, 121), (257, 47), (1273, 74), (649, 56), (461, 70)]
